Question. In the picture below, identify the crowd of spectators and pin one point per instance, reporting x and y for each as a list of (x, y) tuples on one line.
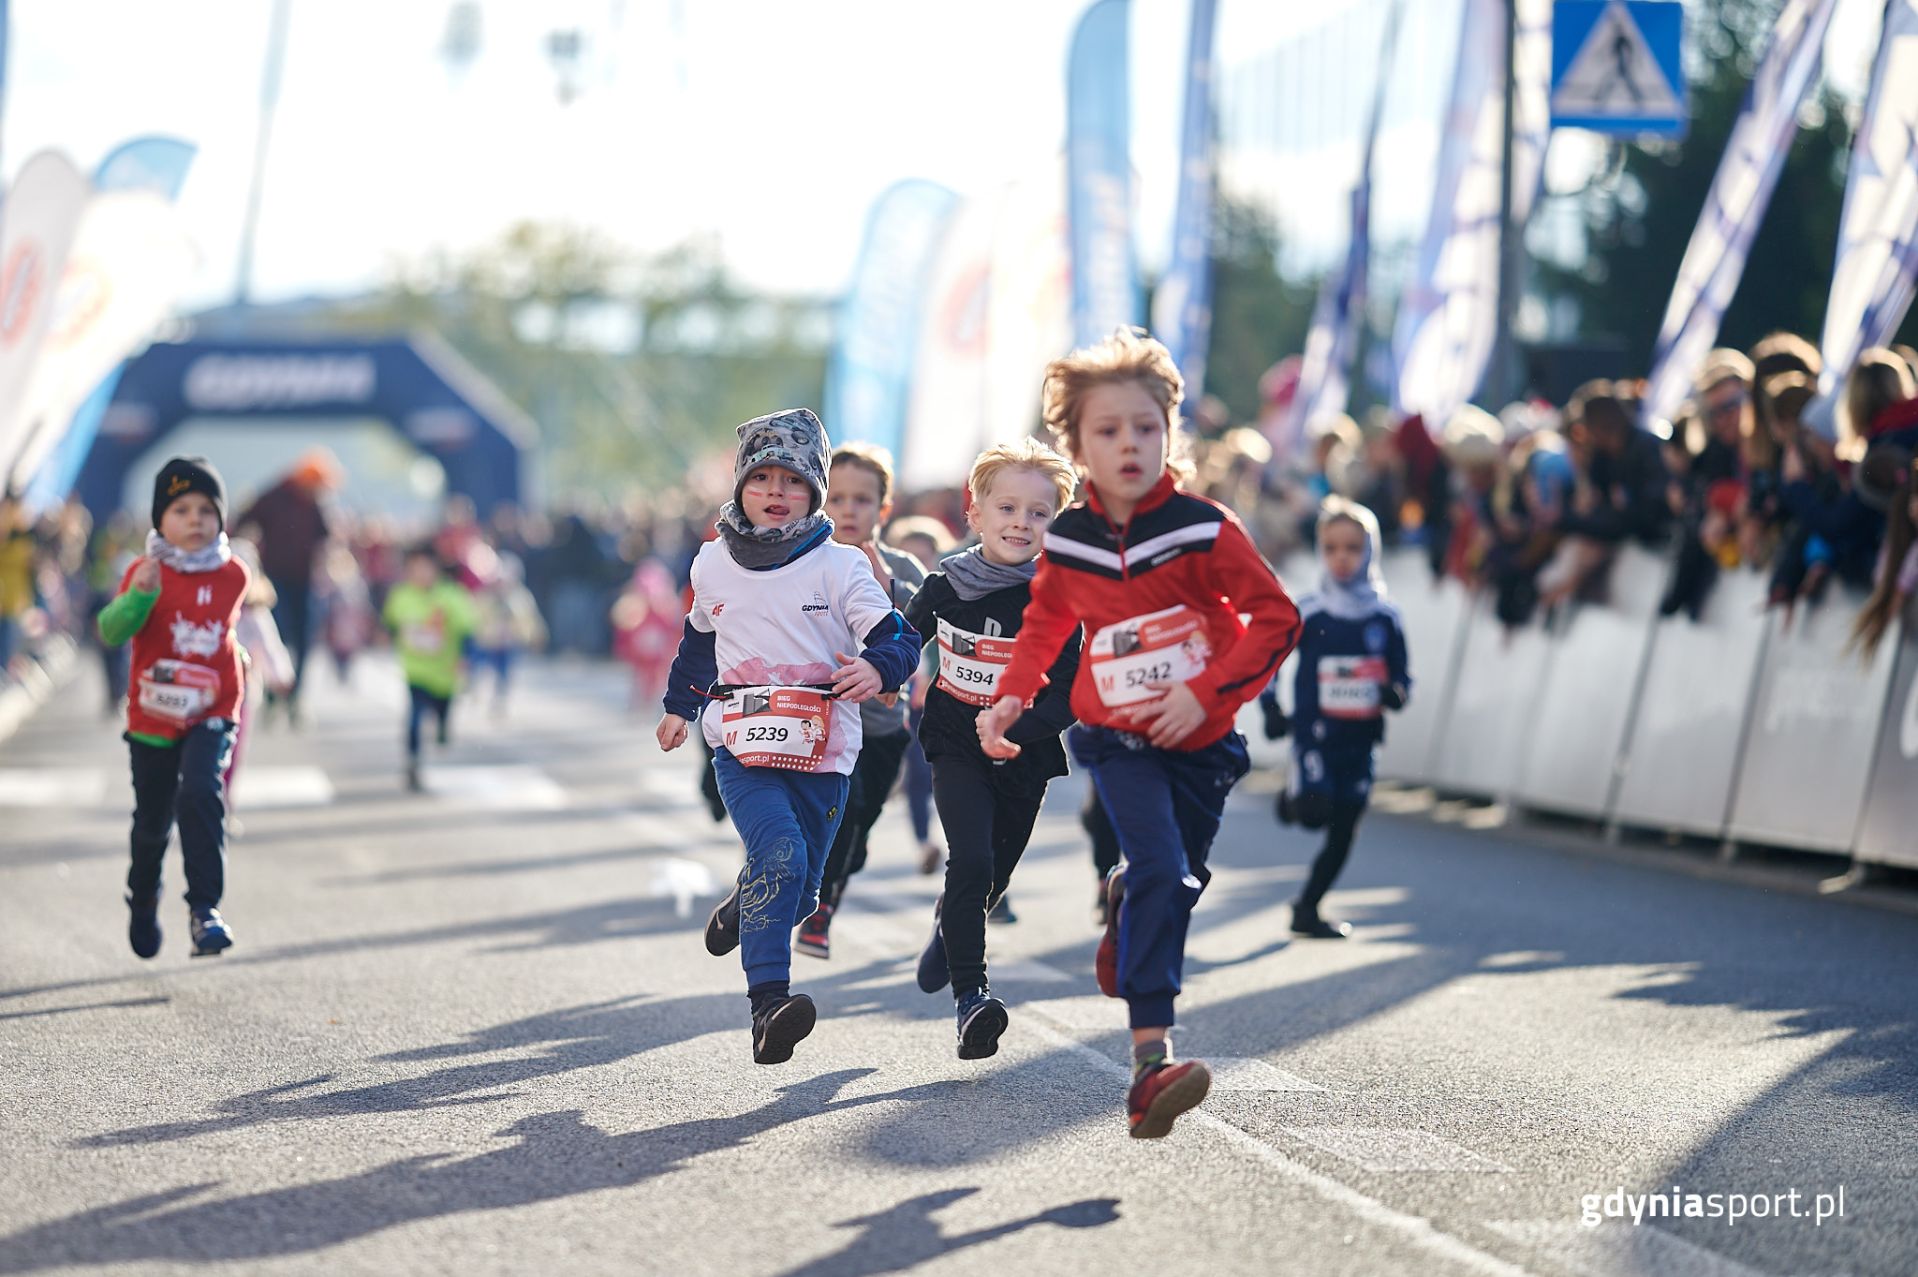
[(1757, 474)]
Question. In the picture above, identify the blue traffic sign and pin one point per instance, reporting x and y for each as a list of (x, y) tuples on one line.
[(1616, 66)]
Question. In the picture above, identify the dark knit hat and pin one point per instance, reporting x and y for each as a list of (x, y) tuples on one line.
[(792, 439), (182, 475)]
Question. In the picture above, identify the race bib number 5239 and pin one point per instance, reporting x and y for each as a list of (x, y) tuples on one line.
[(783, 727)]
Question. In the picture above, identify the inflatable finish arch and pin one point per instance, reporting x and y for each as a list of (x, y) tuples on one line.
[(437, 401)]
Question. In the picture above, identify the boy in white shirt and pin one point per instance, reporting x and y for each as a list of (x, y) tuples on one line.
[(763, 665)]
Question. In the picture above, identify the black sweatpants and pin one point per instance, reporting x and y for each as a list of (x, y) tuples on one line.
[(873, 775), (422, 704), (1339, 832), (987, 824), (184, 781)]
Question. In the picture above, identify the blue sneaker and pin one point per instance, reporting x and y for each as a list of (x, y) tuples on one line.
[(933, 972), (143, 926), (982, 1018), (211, 935)]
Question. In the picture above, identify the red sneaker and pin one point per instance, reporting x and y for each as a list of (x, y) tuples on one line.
[(1162, 1093), (815, 934), (1105, 965)]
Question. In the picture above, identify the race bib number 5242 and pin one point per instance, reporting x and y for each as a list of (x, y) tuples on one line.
[(1132, 660)]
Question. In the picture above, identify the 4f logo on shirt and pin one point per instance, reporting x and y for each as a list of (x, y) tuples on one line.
[(196, 640)]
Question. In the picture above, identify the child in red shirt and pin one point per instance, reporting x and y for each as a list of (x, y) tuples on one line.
[(1161, 580), (179, 605)]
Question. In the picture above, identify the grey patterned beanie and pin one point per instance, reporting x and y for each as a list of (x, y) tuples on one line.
[(792, 439)]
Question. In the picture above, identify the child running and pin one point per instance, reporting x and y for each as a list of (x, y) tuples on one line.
[(1160, 578), (763, 665), (1352, 668), (431, 617), (179, 604), (859, 499), (974, 604)]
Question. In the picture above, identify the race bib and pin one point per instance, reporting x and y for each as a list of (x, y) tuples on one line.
[(783, 727), (1349, 686), (1160, 647), (178, 691), (970, 664), (424, 637)]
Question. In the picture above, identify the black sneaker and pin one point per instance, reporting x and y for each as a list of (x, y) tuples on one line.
[(780, 1026), (982, 1018), (143, 926), (933, 972), (210, 933), (1282, 808), (1001, 911), (722, 927), (1313, 927)]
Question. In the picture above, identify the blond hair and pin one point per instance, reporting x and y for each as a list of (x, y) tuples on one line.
[(1127, 355), (1027, 454), (867, 456)]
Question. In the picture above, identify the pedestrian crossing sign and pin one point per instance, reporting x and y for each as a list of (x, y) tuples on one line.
[(1616, 66)]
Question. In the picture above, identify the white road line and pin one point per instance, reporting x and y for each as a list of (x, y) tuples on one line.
[(261, 788), (1236, 1073), (1413, 1228), (683, 881), (53, 787), (1394, 1149), (1617, 1249), (496, 788)]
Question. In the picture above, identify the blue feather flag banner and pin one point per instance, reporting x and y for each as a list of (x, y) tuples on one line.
[(869, 375), (1182, 303), (1871, 283), (1735, 208), (1105, 273)]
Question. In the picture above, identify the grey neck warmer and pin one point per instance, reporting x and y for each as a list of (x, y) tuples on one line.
[(756, 548), (974, 576), (213, 554)]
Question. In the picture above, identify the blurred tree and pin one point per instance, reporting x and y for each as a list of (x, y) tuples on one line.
[(1638, 218), (1258, 316), (633, 366)]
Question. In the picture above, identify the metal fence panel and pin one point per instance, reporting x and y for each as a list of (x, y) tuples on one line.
[(1814, 729), (1888, 834), (1584, 705), (1679, 764)]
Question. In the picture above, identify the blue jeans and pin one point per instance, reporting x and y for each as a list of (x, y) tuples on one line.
[(1165, 806), (787, 821), (183, 781)]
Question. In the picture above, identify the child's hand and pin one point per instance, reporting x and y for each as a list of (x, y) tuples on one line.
[(920, 683), (671, 732), (1277, 725), (146, 576), (1172, 717), (1392, 696), (992, 726), (856, 680)]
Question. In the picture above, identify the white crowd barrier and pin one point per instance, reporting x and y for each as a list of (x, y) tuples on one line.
[(1594, 660), (1814, 728), (1682, 758), (1888, 833), (1734, 726)]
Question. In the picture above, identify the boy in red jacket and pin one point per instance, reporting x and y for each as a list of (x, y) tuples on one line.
[(1160, 579), (179, 604)]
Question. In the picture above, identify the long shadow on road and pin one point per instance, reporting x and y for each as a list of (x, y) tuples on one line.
[(553, 1155)]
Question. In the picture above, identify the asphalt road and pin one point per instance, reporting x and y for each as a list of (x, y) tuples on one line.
[(475, 1031)]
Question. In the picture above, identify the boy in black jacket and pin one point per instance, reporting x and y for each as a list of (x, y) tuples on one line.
[(973, 605)]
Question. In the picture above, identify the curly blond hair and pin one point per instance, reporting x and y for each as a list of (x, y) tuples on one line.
[(1127, 355)]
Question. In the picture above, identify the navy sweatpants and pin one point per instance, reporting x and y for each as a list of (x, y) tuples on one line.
[(183, 783), (1165, 805), (787, 821)]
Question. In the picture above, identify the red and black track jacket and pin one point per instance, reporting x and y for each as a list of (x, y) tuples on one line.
[(1176, 549)]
